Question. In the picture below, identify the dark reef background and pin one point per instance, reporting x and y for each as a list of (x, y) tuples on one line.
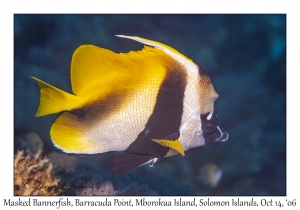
[(245, 56)]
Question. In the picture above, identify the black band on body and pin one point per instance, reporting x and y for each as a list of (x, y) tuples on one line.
[(165, 119)]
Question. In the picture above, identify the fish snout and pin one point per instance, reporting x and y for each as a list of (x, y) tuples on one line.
[(223, 135)]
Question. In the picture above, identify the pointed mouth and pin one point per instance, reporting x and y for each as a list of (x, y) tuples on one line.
[(224, 135)]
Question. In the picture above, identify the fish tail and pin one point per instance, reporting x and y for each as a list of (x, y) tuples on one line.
[(54, 100)]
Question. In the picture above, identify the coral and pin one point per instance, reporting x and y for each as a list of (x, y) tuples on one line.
[(92, 188), (136, 189), (97, 187), (33, 175)]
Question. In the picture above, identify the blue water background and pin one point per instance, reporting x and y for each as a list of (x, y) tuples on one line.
[(245, 56)]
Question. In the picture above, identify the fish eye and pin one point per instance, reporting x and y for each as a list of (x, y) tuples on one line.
[(209, 128)]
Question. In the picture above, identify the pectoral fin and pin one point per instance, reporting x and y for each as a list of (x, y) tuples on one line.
[(173, 144)]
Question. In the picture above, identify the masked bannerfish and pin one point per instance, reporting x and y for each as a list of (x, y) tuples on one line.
[(149, 104)]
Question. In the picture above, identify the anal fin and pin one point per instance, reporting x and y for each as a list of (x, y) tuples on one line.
[(173, 144), (125, 162)]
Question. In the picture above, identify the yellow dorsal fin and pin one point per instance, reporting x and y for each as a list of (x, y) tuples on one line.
[(173, 144), (97, 72)]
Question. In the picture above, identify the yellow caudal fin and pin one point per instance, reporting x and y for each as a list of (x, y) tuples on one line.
[(54, 100), (173, 144)]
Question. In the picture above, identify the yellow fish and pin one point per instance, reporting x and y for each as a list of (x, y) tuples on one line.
[(149, 104)]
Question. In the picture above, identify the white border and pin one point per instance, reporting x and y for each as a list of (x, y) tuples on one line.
[(8, 8)]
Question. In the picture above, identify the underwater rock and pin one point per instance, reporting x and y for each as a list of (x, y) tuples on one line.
[(63, 160), (31, 143)]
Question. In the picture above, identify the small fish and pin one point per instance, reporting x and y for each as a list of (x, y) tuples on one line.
[(148, 104), (210, 174)]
